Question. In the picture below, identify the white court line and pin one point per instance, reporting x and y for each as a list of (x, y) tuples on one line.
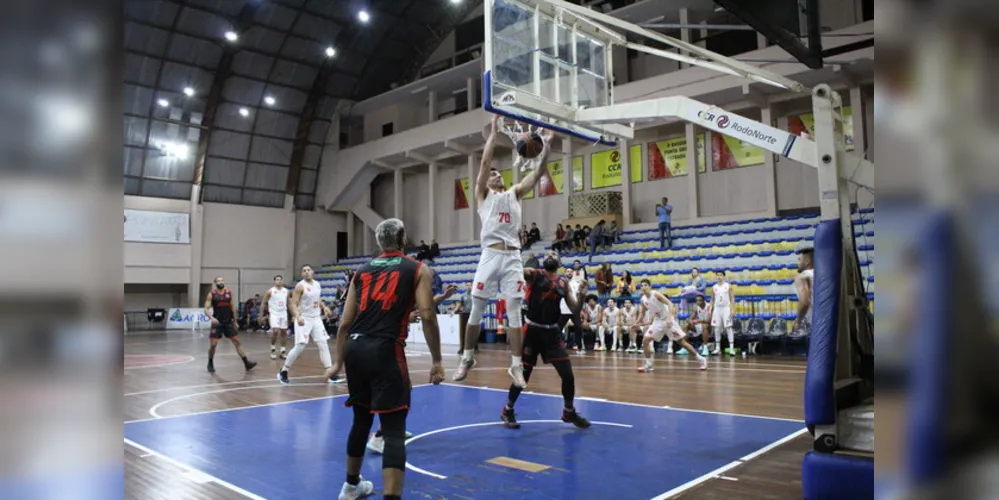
[(484, 424), (157, 365), (195, 472), (155, 414), (637, 404), (721, 470)]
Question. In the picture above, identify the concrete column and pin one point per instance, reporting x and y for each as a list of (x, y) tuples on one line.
[(351, 239), (432, 197), (624, 148), (859, 127), (369, 247), (567, 173), (432, 106), (693, 208), (397, 194), (471, 170), (685, 32), (470, 93), (704, 34), (769, 166), (194, 298)]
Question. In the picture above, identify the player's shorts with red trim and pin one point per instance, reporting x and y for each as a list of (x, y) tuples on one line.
[(377, 373), (660, 329), (226, 329), (544, 341)]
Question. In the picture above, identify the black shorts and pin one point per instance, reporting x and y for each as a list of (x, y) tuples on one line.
[(544, 341), (377, 374), (227, 329)]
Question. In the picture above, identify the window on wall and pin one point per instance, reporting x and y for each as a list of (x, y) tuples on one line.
[(868, 10), (387, 129)]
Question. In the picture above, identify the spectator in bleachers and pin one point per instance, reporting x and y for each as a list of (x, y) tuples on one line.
[(605, 282), (423, 251), (578, 237), (534, 235), (532, 261), (664, 211), (522, 234), (695, 287), (559, 237), (578, 273), (624, 288), (699, 324), (435, 250), (613, 233), (596, 238)]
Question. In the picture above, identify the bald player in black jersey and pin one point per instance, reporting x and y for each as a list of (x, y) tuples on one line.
[(370, 345), (545, 291), (221, 308)]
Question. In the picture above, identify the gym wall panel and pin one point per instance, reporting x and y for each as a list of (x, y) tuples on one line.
[(156, 262), (731, 192), (315, 237), (416, 204), (246, 237)]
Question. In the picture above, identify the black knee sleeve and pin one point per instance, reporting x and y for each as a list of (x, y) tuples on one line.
[(394, 432), (358, 436)]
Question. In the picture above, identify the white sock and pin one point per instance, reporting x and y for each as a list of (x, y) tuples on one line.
[(648, 360), (273, 346), (516, 361), (293, 355), (467, 354), (731, 337), (324, 354)]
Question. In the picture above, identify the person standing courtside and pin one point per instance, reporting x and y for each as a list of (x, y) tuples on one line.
[(308, 310), (276, 311), (371, 347), (500, 267), (220, 307)]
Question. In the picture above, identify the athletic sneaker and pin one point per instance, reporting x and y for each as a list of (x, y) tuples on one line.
[(730, 351), (376, 444), (647, 367), (282, 377), (702, 362), (273, 353), (336, 379), (211, 366), (249, 364), (517, 373), (284, 353), (574, 418), (353, 492), (704, 350), (509, 417), (462, 371)]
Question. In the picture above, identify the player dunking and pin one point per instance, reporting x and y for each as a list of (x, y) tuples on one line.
[(222, 309), (308, 310), (370, 344), (276, 310), (500, 265), (545, 290), (662, 322)]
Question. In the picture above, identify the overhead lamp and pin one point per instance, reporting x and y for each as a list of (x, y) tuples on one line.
[(231, 36), (330, 52), (188, 91), (244, 112), (163, 103), (269, 101), (364, 16)]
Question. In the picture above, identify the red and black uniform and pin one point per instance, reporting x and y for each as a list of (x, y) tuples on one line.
[(222, 311), (375, 360), (543, 335)]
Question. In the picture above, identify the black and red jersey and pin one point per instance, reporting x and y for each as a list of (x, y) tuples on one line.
[(385, 292), (544, 297), (222, 305)]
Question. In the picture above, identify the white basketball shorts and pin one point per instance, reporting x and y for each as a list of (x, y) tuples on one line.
[(500, 273), (659, 329), (722, 316), (313, 329), (279, 321)]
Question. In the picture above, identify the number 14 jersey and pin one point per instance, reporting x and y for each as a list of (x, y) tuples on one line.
[(500, 216), (385, 291)]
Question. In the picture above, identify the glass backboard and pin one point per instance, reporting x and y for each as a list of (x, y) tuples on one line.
[(542, 63)]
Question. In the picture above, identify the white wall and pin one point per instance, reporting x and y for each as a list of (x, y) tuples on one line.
[(315, 237), (139, 297)]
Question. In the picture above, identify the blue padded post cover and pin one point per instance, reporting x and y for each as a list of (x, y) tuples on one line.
[(820, 398), (826, 476), (928, 351)]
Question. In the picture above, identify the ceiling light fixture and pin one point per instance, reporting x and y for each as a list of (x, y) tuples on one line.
[(269, 101), (244, 112), (231, 36), (188, 91), (330, 52), (163, 103), (364, 16)]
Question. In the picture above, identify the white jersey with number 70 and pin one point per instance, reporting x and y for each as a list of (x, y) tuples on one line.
[(500, 216)]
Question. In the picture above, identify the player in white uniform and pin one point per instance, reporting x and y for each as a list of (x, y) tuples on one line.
[(612, 324), (662, 323), (570, 316), (276, 310), (308, 309), (500, 267), (592, 316), (699, 323), (803, 286), (629, 316), (722, 312)]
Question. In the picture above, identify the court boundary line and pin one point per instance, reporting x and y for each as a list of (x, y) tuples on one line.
[(729, 466), (189, 469), (156, 415), (190, 359), (611, 401)]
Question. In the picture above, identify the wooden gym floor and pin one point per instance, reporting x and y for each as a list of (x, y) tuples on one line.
[(165, 376)]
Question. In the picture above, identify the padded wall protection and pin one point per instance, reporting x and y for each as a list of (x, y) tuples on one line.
[(820, 398), (826, 476)]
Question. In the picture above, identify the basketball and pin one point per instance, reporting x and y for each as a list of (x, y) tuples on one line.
[(529, 145)]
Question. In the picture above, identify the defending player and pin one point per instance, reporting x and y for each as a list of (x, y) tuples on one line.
[(220, 307), (500, 265), (370, 345), (308, 309), (276, 311), (722, 312), (662, 322), (545, 289)]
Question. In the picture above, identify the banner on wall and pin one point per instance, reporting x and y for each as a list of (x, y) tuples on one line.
[(462, 193), (605, 167), (188, 319), (668, 159), (146, 226), (729, 152), (796, 124), (551, 183)]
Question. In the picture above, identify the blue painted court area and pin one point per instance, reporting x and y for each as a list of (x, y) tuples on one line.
[(296, 450)]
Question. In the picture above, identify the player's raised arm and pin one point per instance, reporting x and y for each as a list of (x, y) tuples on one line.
[(428, 313), (531, 180), (481, 182)]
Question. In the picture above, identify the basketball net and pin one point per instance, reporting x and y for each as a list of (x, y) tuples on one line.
[(513, 129)]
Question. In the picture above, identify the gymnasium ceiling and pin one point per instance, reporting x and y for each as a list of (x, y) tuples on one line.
[(247, 118)]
